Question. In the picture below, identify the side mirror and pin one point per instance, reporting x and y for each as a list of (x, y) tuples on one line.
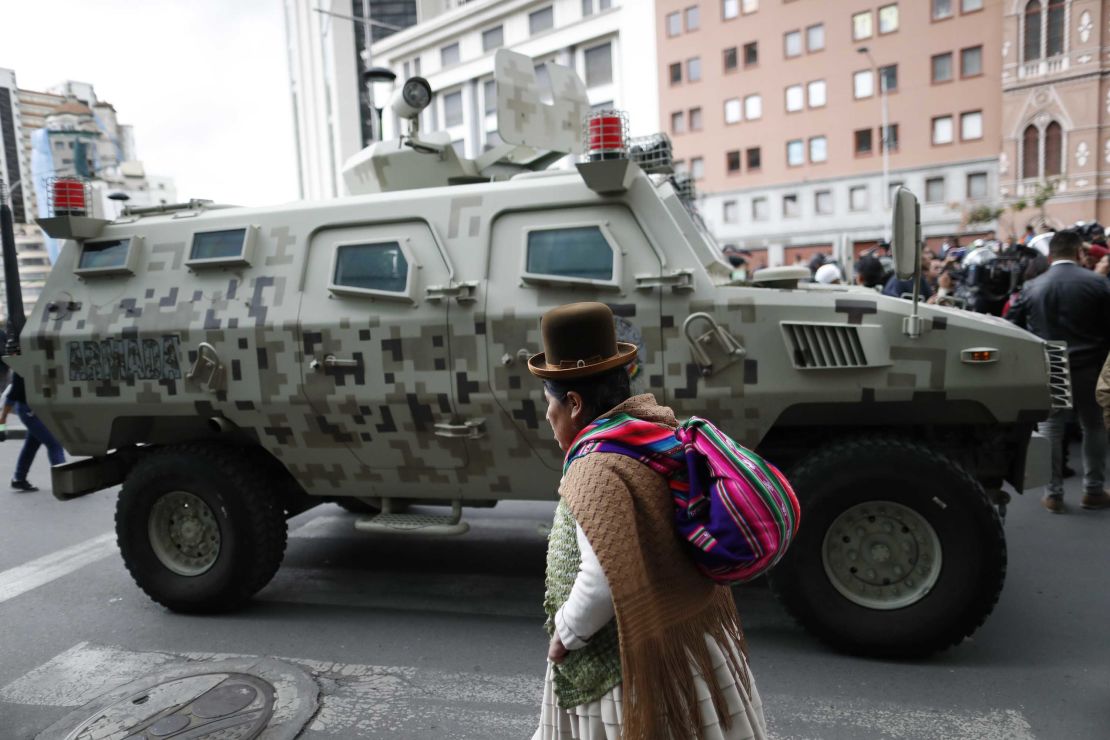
[(906, 234)]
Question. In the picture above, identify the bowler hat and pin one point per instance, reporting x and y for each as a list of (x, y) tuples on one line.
[(579, 340)]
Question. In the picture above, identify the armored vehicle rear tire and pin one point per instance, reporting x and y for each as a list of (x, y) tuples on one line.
[(199, 528), (899, 553)]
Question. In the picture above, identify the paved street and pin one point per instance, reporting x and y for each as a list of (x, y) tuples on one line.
[(441, 638)]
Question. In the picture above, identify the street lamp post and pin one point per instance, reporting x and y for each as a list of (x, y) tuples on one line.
[(884, 136)]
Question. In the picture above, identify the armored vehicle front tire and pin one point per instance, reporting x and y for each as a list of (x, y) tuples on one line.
[(899, 553), (199, 528)]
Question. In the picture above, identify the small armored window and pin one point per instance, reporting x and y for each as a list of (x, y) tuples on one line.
[(108, 257), (380, 267), (221, 248), (578, 253)]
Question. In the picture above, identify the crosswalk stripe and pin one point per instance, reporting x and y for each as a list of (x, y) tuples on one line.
[(23, 578)]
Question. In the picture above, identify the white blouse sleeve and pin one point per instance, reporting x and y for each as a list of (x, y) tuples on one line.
[(590, 604)]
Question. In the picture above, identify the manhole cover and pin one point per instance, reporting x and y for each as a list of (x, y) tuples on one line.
[(228, 700)]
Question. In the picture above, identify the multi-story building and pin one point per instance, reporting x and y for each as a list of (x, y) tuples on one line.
[(777, 108), (327, 45), (1056, 109), (610, 43)]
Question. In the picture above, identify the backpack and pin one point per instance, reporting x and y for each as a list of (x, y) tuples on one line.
[(736, 511)]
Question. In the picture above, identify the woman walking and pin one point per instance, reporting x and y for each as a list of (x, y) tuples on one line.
[(642, 645), (37, 435)]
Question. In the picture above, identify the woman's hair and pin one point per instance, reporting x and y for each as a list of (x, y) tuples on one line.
[(599, 392)]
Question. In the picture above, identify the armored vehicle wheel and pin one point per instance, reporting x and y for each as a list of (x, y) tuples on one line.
[(198, 530), (899, 553)]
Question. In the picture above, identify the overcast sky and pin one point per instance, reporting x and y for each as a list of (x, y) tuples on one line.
[(205, 83)]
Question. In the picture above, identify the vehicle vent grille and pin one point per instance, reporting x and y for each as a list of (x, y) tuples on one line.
[(825, 345), (1059, 379)]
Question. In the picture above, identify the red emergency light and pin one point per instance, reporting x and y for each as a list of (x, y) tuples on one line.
[(68, 197), (607, 135)]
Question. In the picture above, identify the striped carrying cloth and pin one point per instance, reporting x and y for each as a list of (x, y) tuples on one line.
[(737, 511)]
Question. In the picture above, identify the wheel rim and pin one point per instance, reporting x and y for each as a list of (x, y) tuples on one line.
[(184, 533), (882, 555)]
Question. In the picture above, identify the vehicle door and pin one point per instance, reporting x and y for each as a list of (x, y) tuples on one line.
[(375, 354), (545, 258)]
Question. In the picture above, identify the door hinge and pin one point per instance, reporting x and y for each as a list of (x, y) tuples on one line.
[(462, 429), (461, 292)]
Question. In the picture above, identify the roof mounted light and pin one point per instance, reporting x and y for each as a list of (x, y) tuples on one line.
[(606, 135), (68, 197)]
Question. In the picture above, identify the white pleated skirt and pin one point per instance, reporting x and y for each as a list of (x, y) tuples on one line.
[(601, 719)]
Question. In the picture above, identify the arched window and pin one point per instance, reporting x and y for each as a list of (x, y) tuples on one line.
[(1030, 152), (1054, 36), (1032, 30), (1053, 149)]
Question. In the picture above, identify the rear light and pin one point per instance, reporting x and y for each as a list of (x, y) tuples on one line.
[(979, 355)]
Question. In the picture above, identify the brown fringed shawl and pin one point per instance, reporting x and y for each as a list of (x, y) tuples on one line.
[(664, 606)]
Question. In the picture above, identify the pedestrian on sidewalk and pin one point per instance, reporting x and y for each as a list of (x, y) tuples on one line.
[(37, 435), (643, 646), (1072, 304)]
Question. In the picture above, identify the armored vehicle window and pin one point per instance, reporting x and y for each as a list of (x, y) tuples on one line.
[(104, 254), (221, 248), (580, 252), (380, 267)]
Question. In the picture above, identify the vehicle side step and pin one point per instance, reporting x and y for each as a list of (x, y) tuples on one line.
[(404, 523)]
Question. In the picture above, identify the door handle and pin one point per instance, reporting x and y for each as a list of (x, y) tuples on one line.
[(207, 370), (465, 429), (733, 350), (462, 292), (331, 361), (678, 280)]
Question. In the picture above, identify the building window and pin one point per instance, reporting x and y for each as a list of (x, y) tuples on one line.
[(751, 54), (453, 108), (676, 73), (732, 161), (795, 98), (888, 78), (730, 213), (792, 43), (754, 157), (732, 110), (588, 6), (863, 141), (541, 20), (795, 153), (818, 149), (822, 202), (449, 55), (693, 18), (976, 185), (730, 9), (753, 107), (695, 119), (862, 26), (971, 61), (731, 59), (749, 6), (971, 125), (934, 190), (888, 19), (489, 97), (970, 6), (1054, 36), (942, 130), (493, 38), (1032, 38), (815, 38), (942, 67), (858, 198), (817, 94), (1030, 152), (863, 84), (759, 209), (942, 9), (678, 123), (693, 69), (1053, 149), (599, 65), (674, 24), (790, 206), (697, 168), (891, 138)]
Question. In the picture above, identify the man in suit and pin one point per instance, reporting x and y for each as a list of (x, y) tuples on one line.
[(1072, 304)]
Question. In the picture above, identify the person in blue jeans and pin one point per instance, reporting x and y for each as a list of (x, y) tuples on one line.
[(37, 435)]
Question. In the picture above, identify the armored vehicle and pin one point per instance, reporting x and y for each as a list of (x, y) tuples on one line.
[(233, 366)]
